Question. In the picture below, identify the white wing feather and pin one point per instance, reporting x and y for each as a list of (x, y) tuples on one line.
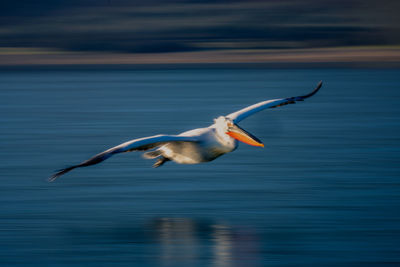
[(140, 144), (244, 113)]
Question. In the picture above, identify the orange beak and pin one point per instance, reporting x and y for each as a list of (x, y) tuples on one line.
[(239, 134)]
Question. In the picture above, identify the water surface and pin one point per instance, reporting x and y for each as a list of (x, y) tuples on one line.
[(324, 191)]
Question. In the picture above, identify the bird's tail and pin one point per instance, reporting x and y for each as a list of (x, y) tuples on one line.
[(152, 154)]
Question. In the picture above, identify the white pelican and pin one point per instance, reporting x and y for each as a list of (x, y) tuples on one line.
[(194, 146)]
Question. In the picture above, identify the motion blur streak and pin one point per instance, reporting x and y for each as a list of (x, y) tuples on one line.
[(68, 32)]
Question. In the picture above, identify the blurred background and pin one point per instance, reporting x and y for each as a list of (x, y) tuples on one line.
[(146, 32), (78, 77)]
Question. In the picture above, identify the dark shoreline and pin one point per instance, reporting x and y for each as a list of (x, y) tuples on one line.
[(180, 66)]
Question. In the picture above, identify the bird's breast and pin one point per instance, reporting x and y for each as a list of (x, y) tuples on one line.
[(208, 148)]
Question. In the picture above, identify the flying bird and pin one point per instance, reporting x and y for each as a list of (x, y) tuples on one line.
[(194, 146)]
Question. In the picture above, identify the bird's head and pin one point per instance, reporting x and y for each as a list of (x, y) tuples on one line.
[(228, 129)]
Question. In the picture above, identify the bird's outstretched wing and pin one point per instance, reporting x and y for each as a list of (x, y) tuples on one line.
[(244, 113), (140, 144)]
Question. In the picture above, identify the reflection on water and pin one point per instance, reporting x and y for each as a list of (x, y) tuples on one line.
[(185, 241), (223, 245), (178, 242), (161, 242)]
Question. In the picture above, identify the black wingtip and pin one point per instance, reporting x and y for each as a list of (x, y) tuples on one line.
[(319, 85), (301, 98), (59, 173), (52, 178)]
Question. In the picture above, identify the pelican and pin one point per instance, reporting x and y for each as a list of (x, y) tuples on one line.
[(194, 146)]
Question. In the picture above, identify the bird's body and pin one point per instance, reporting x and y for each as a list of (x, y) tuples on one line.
[(194, 146), (210, 145)]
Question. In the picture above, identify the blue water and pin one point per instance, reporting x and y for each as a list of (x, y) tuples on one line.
[(325, 190)]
